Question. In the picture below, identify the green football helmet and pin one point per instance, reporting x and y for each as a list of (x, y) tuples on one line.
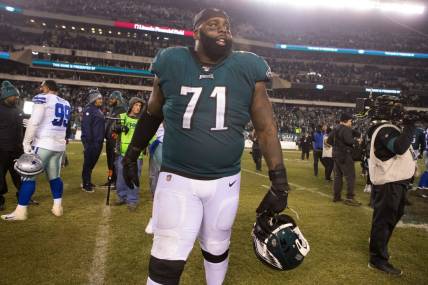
[(278, 242)]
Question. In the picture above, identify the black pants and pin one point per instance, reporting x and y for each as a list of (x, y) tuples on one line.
[(344, 167), (328, 166), (6, 165), (317, 157), (91, 154), (388, 205), (257, 158), (305, 152), (110, 152)]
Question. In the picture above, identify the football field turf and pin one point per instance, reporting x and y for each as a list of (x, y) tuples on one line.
[(96, 244)]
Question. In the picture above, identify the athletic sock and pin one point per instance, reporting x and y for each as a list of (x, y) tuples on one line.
[(57, 202), (215, 272), (25, 192), (56, 188)]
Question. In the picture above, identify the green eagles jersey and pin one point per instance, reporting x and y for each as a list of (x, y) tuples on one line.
[(206, 110)]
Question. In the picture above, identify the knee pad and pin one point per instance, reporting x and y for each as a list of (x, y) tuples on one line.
[(215, 258), (171, 247), (166, 272), (215, 248)]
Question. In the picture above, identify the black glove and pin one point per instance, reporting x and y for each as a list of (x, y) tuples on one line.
[(119, 129), (275, 200), (125, 129), (130, 167)]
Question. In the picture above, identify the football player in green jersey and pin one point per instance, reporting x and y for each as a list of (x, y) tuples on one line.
[(206, 95)]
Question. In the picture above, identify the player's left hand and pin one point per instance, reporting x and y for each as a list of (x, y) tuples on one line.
[(274, 202)]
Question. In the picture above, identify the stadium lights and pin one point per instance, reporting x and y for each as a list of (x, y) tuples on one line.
[(361, 5), (64, 27), (32, 21), (73, 28), (10, 9), (44, 24), (82, 29)]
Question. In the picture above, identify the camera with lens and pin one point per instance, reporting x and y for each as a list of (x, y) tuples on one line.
[(388, 108)]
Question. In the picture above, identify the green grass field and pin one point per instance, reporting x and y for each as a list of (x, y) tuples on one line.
[(95, 244)]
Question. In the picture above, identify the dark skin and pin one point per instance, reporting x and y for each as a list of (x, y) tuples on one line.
[(216, 27), (261, 108), (11, 101), (112, 102)]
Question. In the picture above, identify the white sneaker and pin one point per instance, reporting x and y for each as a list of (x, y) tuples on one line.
[(149, 228), (57, 210), (17, 215)]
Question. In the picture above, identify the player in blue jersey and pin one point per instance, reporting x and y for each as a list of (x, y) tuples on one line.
[(205, 95)]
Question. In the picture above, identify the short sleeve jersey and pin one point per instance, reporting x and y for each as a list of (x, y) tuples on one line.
[(50, 133), (206, 109)]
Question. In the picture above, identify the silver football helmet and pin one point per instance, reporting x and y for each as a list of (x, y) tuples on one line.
[(29, 165)]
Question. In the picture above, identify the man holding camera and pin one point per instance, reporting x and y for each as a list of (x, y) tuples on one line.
[(391, 166), (342, 140)]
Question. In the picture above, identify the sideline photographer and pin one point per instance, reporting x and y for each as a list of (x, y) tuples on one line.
[(342, 140), (391, 166)]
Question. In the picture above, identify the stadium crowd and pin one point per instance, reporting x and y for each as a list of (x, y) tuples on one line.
[(301, 70), (180, 15)]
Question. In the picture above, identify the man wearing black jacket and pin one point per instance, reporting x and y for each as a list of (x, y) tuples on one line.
[(391, 166), (117, 107), (342, 140), (93, 132), (11, 136)]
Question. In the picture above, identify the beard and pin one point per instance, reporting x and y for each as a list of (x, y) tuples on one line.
[(212, 49)]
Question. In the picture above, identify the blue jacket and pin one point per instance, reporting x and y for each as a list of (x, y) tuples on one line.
[(93, 125), (426, 140), (318, 140)]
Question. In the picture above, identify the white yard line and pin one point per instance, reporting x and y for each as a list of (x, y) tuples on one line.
[(97, 273), (416, 226), (313, 190)]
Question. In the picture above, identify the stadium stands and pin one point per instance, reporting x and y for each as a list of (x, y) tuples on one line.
[(85, 39)]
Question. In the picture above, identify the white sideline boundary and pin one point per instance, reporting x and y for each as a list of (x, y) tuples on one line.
[(313, 190), (97, 272)]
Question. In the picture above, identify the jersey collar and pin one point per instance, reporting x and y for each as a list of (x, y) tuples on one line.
[(206, 68)]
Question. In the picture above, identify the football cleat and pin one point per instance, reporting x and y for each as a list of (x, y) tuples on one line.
[(20, 214), (57, 210), (278, 242)]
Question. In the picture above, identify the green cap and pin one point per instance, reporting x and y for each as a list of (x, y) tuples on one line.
[(8, 90)]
